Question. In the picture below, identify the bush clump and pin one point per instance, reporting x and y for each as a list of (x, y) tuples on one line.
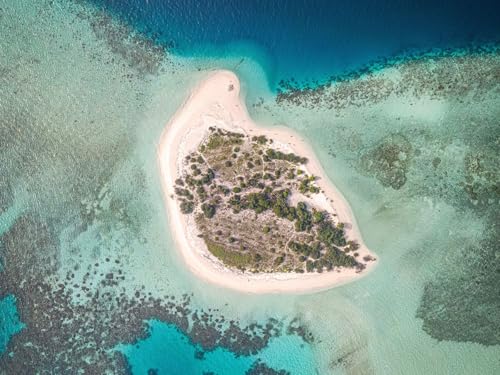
[(208, 210), (187, 207), (291, 157)]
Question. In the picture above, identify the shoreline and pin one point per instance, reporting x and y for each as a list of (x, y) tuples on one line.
[(216, 102)]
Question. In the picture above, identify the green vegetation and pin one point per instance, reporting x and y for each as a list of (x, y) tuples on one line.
[(291, 157), (230, 258), (313, 250), (330, 235), (318, 216), (261, 139), (307, 186), (239, 190), (208, 210), (223, 139), (187, 207), (303, 218)]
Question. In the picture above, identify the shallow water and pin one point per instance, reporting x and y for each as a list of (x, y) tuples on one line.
[(85, 247), (170, 352), (9, 321)]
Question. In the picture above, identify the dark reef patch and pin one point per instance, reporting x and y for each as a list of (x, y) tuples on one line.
[(417, 77), (65, 336), (389, 161), (260, 368), (482, 172), (462, 302), (6, 197), (29, 251), (464, 306), (297, 328), (140, 52)]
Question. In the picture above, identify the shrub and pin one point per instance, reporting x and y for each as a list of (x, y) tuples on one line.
[(291, 157), (259, 202), (309, 266), (330, 235), (279, 260), (261, 139), (303, 216), (208, 210), (353, 245), (215, 141), (339, 258), (314, 189), (208, 178), (229, 258), (187, 207), (318, 216)]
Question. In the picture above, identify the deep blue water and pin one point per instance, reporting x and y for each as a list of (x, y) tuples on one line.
[(308, 39)]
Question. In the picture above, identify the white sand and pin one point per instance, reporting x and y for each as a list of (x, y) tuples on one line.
[(212, 103)]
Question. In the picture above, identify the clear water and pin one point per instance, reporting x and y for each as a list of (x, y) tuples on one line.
[(83, 102), (9, 321), (170, 352), (309, 40)]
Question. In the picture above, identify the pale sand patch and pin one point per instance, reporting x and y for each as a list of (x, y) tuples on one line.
[(216, 102)]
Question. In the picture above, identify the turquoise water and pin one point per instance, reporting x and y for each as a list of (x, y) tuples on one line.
[(9, 321), (85, 248), (169, 352)]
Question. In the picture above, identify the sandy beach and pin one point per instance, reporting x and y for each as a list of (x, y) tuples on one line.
[(216, 102)]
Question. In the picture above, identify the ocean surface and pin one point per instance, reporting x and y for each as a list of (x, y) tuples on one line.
[(309, 40), (401, 102)]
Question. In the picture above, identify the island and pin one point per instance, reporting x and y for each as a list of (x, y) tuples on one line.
[(250, 207)]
